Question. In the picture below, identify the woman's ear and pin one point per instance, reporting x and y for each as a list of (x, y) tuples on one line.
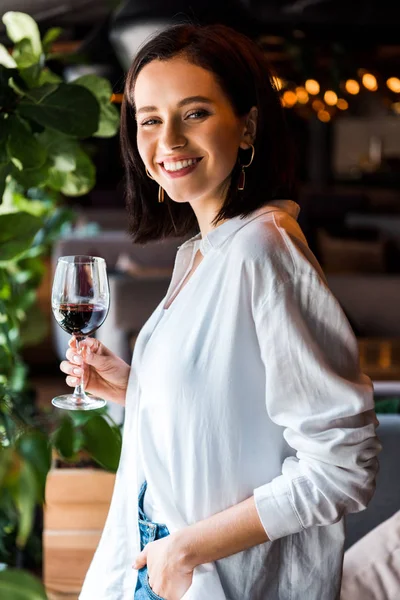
[(250, 128)]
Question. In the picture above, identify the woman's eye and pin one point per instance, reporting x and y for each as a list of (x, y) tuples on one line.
[(149, 122), (198, 114)]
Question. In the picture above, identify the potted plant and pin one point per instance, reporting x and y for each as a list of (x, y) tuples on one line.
[(44, 123)]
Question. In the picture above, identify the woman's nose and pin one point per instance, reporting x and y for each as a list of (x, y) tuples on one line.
[(172, 136)]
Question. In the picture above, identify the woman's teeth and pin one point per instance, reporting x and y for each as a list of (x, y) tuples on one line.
[(180, 164)]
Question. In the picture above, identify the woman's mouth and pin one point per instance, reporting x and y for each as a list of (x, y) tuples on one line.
[(180, 168)]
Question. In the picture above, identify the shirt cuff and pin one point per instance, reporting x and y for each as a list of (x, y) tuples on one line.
[(275, 509)]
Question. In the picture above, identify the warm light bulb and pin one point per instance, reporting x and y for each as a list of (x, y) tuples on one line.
[(289, 98), (342, 104), (278, 83), (324, 116), (318, 105), (369, 82), (352, 86), (330, 97), (301, 95), (312, 87), (393, 84)]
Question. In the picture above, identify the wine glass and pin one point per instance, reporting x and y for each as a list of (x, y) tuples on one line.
[(80, 302)]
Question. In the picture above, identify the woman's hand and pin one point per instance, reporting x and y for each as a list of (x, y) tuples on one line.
[(169, 575), (104, 374)]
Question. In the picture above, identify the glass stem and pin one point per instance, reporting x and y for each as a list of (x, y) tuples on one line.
[(79, 391)]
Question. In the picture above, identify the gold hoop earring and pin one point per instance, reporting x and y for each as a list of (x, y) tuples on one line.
[(160, 189), (242, 176)]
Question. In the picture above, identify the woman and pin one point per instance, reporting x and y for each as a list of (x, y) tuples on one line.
[(249, 429)]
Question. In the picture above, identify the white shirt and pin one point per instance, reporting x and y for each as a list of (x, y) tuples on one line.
[(249, 384)]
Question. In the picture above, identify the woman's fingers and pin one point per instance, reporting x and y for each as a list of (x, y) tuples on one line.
[(71, 369), (74, 357)]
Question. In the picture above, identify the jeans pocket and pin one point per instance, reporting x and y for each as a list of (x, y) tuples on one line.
[(152, 594)]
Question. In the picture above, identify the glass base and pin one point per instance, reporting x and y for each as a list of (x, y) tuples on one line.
[(71, 402)]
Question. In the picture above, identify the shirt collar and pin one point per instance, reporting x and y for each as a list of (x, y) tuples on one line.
[(217, 236)]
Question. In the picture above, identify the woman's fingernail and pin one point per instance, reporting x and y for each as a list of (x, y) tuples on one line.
[(77, 359), (74, 380), (77, 371)]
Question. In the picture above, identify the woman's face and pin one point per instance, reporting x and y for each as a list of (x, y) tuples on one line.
[(188, 134)]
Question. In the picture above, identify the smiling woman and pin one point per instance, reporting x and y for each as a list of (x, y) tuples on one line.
[(249, 428)]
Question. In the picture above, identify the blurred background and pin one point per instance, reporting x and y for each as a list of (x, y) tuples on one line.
[(337, 68)]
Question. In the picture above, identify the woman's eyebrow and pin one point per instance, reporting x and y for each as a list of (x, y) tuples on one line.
[(181, 103)]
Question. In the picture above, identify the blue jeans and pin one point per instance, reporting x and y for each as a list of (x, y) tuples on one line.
[(149, 532)]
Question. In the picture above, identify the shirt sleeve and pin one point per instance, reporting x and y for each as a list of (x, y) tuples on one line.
[(316, 392)]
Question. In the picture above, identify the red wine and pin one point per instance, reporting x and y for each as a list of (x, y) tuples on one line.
[(80, 319)]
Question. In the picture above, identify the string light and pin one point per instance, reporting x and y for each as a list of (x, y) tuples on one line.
[(324, 116), (330, 98), (278, 83), (393, 84), (312, 87), (318, 105), (301, 95), (342, 104), (352, 86), (289, 98), (369, 82)]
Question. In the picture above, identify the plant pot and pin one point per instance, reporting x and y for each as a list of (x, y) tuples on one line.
[(77, 503)]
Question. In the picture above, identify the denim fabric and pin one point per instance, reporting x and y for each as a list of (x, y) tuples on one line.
[(149, 532)]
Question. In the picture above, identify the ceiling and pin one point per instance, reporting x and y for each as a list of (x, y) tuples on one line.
[(379, 19), (358, 31)]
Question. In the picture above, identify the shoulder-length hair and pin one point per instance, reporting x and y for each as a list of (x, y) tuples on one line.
[(241, 70)]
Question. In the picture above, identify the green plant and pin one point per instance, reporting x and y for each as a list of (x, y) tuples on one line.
[(44, 123)]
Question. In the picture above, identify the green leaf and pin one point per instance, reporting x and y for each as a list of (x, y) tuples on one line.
[(71, 109), (17, 231), (23, 488), (4, 132), (109, 121), (103, 442), (18, 376), (16, 584), (21, 26), (14, 86), (7, 96), (7, 456), (38, 208), (102, 90), (35, 327), (50, 36), (34, 447), (63, 438), (38, 94), (6, 59), (47, 76), (77, 182), (31, 74), (4, 172), (61, 148), (30, 178), (24, 55), (23, 146)]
